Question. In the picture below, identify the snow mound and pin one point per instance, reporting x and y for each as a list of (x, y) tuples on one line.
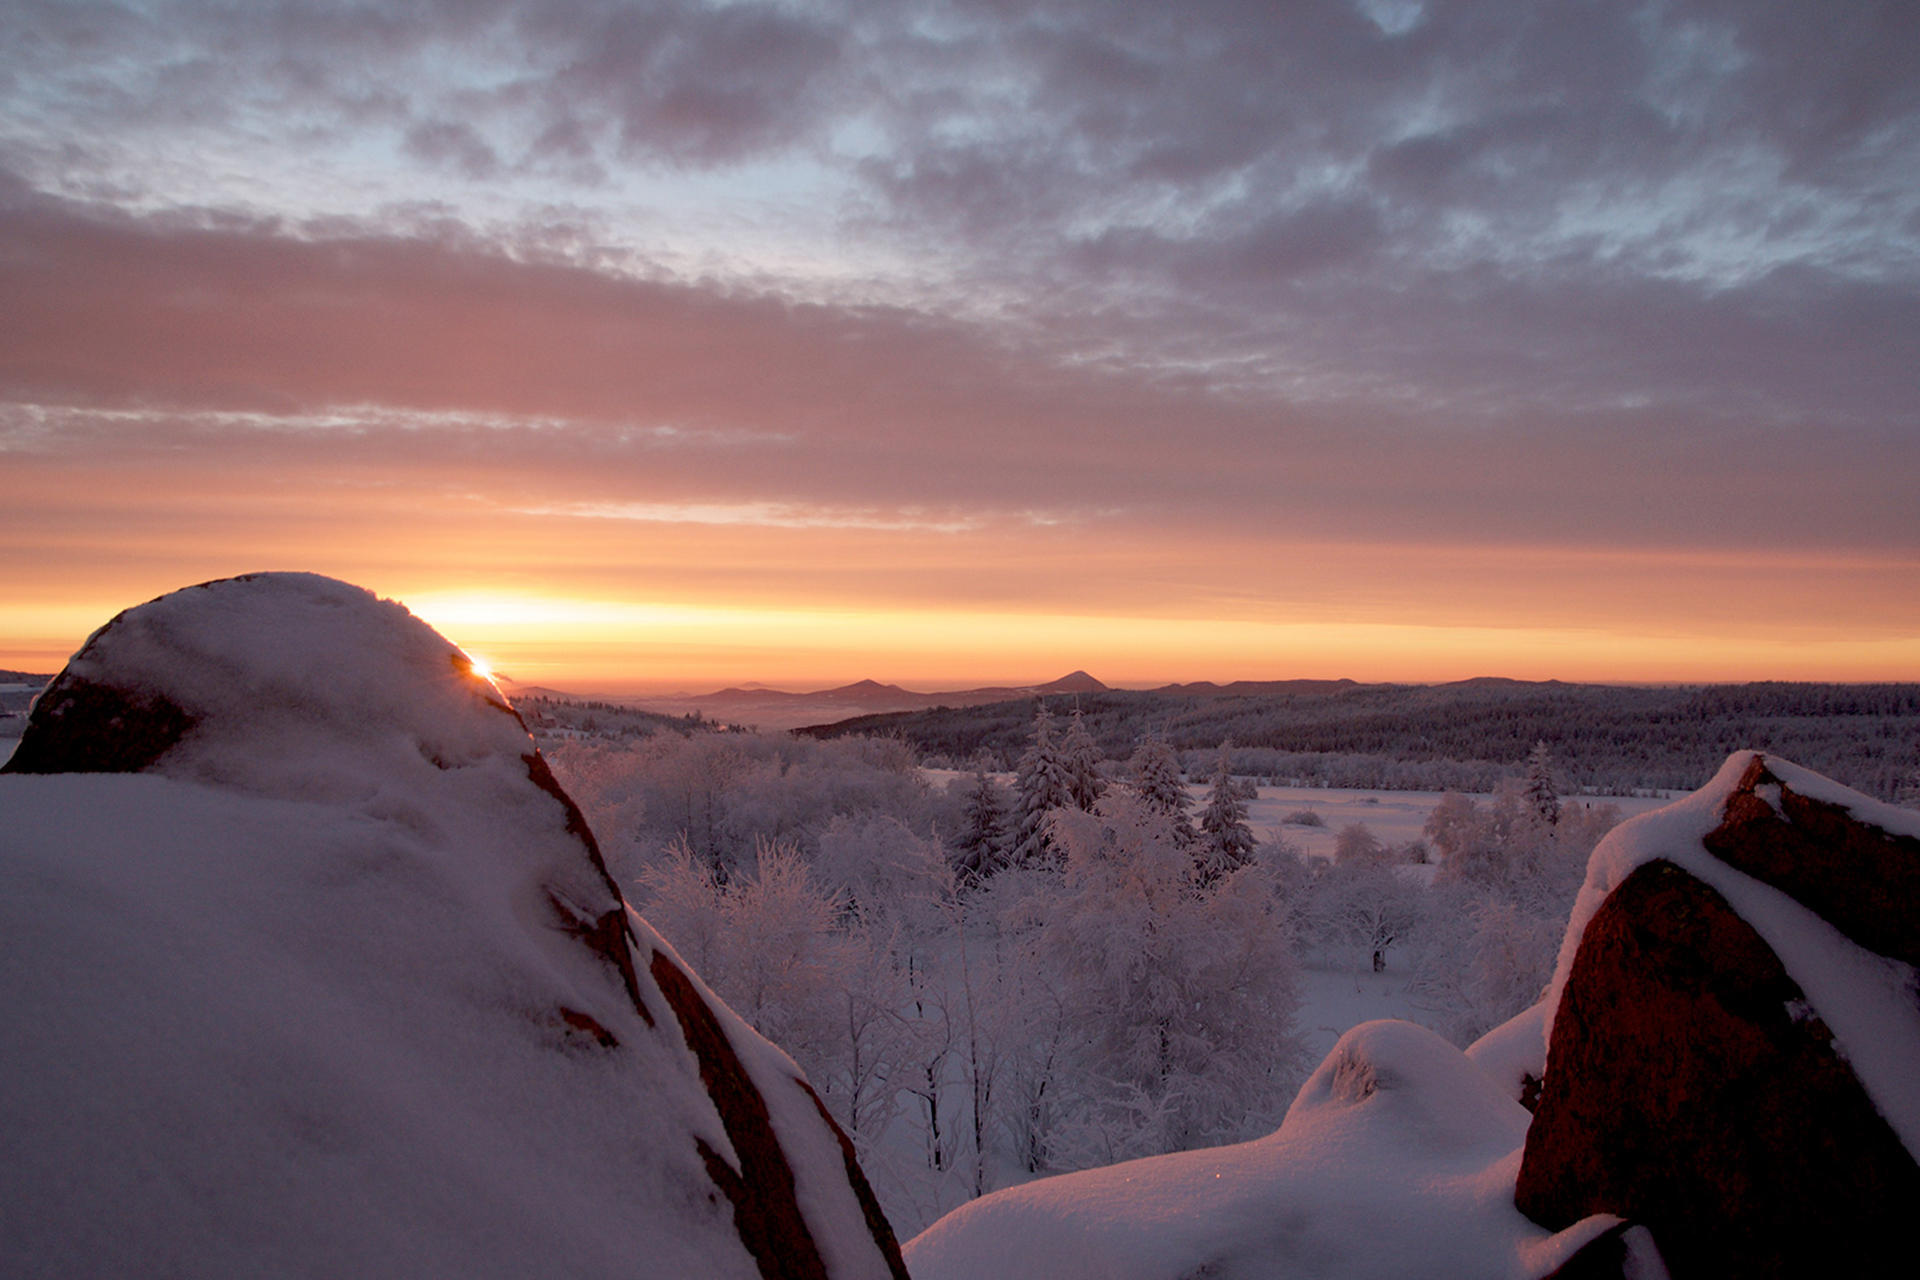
[(1396, 1159), (1515, 1053), (310, 967)]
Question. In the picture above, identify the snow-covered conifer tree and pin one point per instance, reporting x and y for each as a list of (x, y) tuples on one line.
[(1156, 781), (980, 850), (1040, 778), (1081, 760), (1540, 793), (1226, 841)]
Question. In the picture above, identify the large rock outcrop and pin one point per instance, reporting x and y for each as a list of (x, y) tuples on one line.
[(1734, 1048), (311, 967)]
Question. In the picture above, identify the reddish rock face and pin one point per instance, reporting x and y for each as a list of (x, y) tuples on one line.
[(1863, 881), (1690, 1088)]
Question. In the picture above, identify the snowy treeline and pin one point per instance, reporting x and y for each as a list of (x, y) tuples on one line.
[(1472, 735), (1086, 962), (567, 717)]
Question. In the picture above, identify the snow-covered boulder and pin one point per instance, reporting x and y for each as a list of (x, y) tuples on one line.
[(309, 967), (1733, 1035)]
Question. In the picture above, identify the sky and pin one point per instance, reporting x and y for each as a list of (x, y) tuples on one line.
[(682, 344)]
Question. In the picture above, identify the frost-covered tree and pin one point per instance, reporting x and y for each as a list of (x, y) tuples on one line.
[(1040, 784), (1080, 758), (1226, 841), (722, 794), (1179, 996), (1476, 842), (879, 867), (1367, 904), (981, 846), (784, 954), (765, 942), (1154, 777), (1907, 793), (1499, 905), (1449, 824), (1540, 791), (1356, 845)]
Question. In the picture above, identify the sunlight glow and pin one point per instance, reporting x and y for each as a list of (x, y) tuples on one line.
[(607, 644)]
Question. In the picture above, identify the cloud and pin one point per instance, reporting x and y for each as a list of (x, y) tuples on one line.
[(765, 515), (455, 144), (1466, 274), (1779, 413)]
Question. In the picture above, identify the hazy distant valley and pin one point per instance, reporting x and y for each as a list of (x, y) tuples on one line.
[(1466, 736)]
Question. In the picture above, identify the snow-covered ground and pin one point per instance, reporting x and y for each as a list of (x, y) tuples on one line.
[(1396, 1159), (1400, 1154), (1394, 817)]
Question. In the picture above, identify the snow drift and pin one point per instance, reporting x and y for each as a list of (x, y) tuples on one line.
[(1396, 1159), (1723, 1067), (311, 968)]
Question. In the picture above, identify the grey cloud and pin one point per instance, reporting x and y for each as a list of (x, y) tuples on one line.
[(455, 144), (1090, 101), (1819, 81), (696, 84), (550, 381), (1503, 210), (1276, 250), (679, 79)]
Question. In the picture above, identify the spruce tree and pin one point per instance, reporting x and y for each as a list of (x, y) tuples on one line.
[(1226, 841), (1156, 780), (1040, 778), (1544, 800), (983, 836), (1081, 760)]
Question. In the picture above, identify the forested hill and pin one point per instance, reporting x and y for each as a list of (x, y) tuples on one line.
[(1465, 735)]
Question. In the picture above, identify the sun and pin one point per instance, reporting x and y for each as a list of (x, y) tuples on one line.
[(480, 667)]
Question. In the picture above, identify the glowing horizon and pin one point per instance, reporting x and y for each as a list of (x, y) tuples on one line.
[(607, 646)]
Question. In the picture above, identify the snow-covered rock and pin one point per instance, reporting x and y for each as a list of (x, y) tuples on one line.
[(309, 967), (1733, 1035)]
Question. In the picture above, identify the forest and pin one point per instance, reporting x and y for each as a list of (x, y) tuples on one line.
[(1465, 736), (996, 975)]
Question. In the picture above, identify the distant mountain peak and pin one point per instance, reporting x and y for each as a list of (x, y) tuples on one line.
[(1074, 682), (865, 686)]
